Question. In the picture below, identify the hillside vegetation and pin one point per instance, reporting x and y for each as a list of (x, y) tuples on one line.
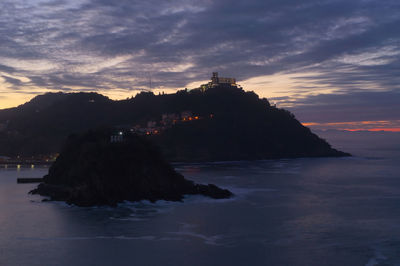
[(232, 124)]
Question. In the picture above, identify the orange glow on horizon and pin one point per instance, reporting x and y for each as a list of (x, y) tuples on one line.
[(310, 124), (374, 129), (382, 122), (374, 126)]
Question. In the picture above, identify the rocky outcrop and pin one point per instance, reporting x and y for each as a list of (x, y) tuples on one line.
[(92, 170)]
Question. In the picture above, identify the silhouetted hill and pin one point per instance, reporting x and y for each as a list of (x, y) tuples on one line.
[(243, 127), (230, 124), (38, 126)]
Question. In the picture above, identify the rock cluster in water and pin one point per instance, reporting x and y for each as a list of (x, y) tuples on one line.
[(94, 169)]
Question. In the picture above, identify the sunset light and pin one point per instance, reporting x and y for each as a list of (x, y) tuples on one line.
[(199, 132)]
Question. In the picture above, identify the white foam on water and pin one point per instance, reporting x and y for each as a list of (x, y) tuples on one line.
[(144, 210), (188, 230), (178, 236), (170, 239), (74, 238), (209, 240), (385, 253), (377, 259), (240, 192), (130, 218)]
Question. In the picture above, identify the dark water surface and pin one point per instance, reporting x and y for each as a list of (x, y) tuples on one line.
[(324, 211)]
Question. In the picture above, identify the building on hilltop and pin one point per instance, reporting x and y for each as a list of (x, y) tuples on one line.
[(217, 81)]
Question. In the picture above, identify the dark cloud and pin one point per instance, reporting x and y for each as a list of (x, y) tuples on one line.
[(14, 82), (6, 69), (349, 107)]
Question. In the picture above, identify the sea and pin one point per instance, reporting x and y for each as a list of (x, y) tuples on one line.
[(306, 211)]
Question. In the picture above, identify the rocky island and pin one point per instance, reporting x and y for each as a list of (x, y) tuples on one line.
[(104, 168)]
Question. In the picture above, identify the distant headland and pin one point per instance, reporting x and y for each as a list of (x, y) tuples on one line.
[(217, 121)]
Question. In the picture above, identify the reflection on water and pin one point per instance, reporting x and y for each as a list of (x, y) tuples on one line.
[(323, 211)]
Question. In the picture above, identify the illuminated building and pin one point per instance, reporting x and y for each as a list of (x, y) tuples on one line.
[(217, 81)]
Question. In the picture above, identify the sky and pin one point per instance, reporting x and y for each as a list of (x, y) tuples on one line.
[(334, 63)]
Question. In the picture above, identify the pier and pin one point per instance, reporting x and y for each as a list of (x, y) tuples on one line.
[(26, 180), (24, 164)]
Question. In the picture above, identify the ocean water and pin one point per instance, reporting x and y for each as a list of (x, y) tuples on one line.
[(320, 211)]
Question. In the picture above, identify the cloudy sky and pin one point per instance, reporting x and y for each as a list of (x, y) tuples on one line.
[(334, 63)]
